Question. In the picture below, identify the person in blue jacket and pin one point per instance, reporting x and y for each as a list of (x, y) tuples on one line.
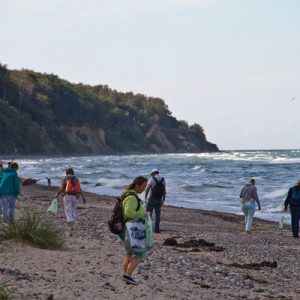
[(293, 201), (9, 191)]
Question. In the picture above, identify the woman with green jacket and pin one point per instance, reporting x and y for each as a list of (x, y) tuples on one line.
[(132, 209)]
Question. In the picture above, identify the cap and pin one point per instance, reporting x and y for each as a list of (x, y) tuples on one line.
[(154, 171)]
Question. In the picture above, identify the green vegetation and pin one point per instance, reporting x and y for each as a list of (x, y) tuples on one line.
[(7, 291), (35, 228), (59, 117)]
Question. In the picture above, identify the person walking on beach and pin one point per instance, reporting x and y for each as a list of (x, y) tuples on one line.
[(48, 181), (70, 188), (9, 191), (132, 209), (248, 196), (293, 200), (156, 190)]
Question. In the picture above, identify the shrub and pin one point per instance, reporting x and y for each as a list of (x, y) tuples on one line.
[(36, 228), (6, 290)]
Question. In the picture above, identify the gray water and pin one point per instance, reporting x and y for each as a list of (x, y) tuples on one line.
[(210, 181)]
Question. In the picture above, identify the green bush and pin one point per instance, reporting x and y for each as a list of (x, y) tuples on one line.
[(6, 290), (35, 228)]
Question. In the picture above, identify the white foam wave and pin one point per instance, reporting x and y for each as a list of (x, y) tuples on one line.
[(284, 160), (275, 194)]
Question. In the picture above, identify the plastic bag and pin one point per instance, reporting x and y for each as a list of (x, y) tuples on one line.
[(53, 207), (281, 221), (135, 236), (149, 232)]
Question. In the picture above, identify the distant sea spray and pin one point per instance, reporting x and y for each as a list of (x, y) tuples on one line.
[(210, 181)]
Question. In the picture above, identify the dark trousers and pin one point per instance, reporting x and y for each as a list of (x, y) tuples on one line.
[(295, 217), (155, 204)]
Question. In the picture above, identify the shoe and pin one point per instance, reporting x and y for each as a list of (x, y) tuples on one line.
[(248, 231), (130, 280), (157, 231), (295, 236)]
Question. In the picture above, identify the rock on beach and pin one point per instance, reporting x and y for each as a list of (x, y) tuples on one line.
[(198, 255)]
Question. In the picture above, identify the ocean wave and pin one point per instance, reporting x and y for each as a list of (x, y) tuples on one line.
[(285, 160), (202, 186), (276, 194)]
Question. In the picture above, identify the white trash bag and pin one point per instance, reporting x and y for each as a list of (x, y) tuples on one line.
[(135, 236)]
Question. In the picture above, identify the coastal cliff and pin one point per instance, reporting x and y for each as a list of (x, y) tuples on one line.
[(43, 114)]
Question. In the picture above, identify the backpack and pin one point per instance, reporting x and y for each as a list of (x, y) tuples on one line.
[(159, 188), (72, 186), (116, 224), (295, 196)]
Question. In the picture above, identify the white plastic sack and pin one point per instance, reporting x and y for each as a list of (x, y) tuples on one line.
[(281, 221), (135, 236), (149, 232), (53, 207)]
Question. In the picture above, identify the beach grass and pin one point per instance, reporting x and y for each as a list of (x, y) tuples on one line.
[(34, 227), (7, 291)]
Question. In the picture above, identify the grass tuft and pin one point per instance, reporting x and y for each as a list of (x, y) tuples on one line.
[(7, 292), (36, 228)]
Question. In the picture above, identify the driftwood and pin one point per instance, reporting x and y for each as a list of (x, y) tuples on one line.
[(29, 181)]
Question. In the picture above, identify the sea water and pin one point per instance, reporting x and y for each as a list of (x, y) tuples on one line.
[(210, 181)]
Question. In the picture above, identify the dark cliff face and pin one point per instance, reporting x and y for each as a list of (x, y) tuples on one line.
[(43, 114)]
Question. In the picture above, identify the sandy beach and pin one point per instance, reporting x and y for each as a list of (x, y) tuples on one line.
[(198, 255)]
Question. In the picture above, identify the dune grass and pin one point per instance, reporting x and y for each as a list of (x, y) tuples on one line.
[(36, 228), (7, 292)]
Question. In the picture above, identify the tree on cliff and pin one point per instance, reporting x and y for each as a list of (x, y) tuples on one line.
[(58, 117)]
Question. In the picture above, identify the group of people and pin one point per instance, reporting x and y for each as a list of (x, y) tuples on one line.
[(249, 199), (132, 207)]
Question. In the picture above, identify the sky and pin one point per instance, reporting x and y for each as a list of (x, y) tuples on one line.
[(232, 66)]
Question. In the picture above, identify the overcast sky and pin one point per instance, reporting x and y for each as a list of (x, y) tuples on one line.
[(232, 66)]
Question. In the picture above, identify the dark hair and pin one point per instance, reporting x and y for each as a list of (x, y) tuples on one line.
[(137, 181), (14, 165), (70, 171)]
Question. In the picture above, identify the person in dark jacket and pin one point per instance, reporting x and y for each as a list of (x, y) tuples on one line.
[(248, 196), (293, 200), (9, 191), (155, 195)]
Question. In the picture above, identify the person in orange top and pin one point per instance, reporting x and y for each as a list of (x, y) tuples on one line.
[(70, 188)]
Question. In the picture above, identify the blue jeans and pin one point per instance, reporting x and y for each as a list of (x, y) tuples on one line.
[(295, 217), (8, 202), (155, 203), (248, 209)]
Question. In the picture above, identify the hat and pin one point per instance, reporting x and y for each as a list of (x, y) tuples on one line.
[(154, 171)]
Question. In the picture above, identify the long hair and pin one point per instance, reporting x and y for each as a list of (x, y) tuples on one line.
[(137, 181)]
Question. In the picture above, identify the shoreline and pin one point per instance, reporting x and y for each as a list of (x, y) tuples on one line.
[(55, 188), (198, 255)]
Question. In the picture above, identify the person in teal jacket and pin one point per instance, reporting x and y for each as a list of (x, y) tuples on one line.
[(9, 191), (132, 209)]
